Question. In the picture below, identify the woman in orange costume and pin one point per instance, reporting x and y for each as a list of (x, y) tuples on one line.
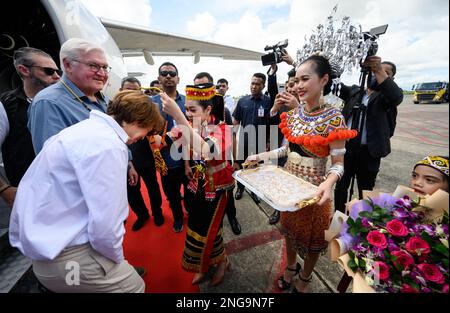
[(212, 181), (312, 132)]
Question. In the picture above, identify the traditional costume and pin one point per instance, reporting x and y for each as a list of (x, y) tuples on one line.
[(309, 136), (210, 189)]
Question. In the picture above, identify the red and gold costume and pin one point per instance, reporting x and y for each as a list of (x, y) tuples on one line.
[(209, 191)]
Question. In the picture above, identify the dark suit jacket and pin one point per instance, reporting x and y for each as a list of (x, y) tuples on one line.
[(380, 117)]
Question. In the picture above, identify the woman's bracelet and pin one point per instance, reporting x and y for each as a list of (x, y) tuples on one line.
[(337, 169)]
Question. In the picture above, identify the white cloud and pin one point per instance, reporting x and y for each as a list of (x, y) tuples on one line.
[(203, 25), (416, 40), (254, 5), (135, 12)]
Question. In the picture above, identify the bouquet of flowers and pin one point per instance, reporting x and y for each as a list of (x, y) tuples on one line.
[(394, 249)]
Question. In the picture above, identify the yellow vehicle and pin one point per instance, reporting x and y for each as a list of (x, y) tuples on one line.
[(434, 92)]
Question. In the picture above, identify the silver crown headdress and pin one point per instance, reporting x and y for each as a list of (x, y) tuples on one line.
[(344, 46)]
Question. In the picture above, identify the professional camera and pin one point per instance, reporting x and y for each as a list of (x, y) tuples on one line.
[(373, 35), (276, 56)]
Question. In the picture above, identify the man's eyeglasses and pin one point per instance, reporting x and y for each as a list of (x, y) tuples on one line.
[(165, 73), (95, 67), (48, 70)]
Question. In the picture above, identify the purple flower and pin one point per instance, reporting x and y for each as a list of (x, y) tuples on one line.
[(347, 239), (445, 228), (385, 201), (404, 202), (401, 213), (365, 222), (426, 290), (429, 229), (392, 246), (358, 207), (359, 248), (344, 229)]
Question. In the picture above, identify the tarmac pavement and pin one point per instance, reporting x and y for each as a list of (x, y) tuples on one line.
[(256, 255)]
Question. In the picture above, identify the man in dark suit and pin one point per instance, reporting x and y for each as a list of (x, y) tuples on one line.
[(376, 126), (143, 164)]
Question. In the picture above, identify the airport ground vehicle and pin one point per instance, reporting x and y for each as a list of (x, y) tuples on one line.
[(432, 92)]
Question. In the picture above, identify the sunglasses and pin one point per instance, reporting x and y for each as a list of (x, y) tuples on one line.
[(48, 70), (165, 73)]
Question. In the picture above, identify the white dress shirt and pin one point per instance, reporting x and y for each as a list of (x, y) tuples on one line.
[(4, 124), (74, 192), (229, 103)]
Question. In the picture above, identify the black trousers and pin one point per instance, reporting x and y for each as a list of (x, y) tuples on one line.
[(172, 183), (230, 210), (135, 199), (359, 163)]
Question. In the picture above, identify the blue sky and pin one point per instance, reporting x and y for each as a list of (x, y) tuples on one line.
[(417, 37)]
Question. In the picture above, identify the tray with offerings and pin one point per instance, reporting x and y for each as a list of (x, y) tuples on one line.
[(277, 187)]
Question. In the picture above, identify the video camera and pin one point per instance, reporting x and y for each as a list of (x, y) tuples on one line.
[(373, 35), (276, 56)]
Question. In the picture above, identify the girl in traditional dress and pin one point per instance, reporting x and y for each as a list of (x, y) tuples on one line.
[(212, 182), (312, 132)]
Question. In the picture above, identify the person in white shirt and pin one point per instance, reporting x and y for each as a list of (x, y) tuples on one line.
[(222, 88), (7, 192), (71, 203)]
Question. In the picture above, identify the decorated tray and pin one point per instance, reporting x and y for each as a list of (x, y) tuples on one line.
[(277, 187)]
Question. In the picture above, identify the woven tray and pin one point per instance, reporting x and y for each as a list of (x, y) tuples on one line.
[(277, 187)]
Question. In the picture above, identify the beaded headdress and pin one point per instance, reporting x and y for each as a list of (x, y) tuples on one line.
[(437, 162), (201, 92), (344, 45)]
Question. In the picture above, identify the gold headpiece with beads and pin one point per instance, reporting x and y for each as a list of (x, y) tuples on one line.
[(437, 162), (201, 92)]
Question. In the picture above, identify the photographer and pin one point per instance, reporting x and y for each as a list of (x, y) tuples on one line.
[(379, 107), (282, 102)]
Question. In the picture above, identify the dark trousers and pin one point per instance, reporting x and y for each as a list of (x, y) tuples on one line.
[(230, 210), (359, 163), (135, 199), (172, 183), (239, 185)]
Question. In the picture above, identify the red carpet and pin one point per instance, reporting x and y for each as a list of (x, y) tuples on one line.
[(159, 250)]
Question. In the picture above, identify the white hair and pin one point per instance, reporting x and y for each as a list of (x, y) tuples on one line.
[(74, 48)]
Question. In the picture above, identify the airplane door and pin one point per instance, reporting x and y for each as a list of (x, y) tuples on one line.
[(71, 19)]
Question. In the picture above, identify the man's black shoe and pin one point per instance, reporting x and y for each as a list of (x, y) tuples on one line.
[(255, 198), (140, 270), (235, 227), (139, 223), (159, 220), (274, 218), (239, 193), (178, 226)]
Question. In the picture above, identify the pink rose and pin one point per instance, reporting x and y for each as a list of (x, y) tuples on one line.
[(445, 289), (403, 258), (417, 246), (396, 228), (377, 239), (431, 273), (381, 270), (408, 289)]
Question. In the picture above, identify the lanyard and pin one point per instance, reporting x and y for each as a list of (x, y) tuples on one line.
[(76, 96)]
